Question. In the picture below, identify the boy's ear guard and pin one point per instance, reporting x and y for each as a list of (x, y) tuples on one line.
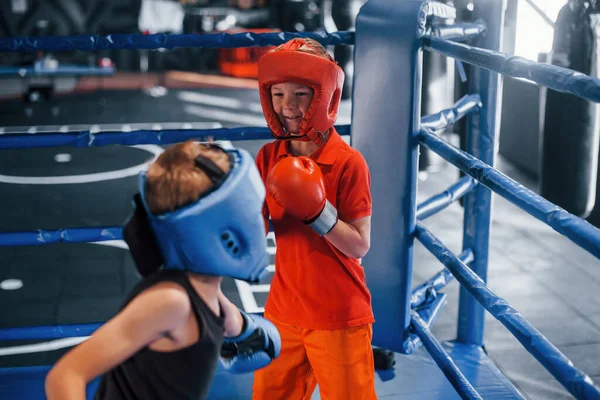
[(324, 76), (140, 238)]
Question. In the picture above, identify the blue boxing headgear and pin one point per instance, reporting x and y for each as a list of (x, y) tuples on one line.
[(220, 234)]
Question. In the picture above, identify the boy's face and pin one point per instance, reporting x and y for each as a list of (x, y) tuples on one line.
[(290, 102)]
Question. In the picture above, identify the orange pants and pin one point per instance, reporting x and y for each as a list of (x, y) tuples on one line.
[(340, 361)]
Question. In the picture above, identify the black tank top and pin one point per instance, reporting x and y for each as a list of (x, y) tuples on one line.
[(183, 374)]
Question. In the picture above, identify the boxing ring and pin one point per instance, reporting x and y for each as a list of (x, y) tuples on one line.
[(388, 130)]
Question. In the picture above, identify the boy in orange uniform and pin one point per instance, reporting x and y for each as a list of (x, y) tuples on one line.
[(319, 201)]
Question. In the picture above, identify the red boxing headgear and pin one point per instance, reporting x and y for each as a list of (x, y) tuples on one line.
[(325, 77)]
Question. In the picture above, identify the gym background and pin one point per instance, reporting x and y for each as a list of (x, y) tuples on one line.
[(76, 17), (537, 124), (548, 140)]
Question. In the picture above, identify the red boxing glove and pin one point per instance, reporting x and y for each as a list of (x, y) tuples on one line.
[(296, 184)]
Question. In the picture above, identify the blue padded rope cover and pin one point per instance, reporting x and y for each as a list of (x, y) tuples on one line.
[(164, 41), (131, 138), (578, 230), (62, 70), (70, 235), (48, 332), (461, 31), (442, 200), (429, 313), (430, 288), (576, 382), (438, 121), (556, 78), (443, 360), (441, 120)]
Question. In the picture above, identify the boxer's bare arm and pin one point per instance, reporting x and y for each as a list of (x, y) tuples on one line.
[(118, 339)]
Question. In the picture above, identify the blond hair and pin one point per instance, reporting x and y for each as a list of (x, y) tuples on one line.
[(311, 46), (174, 180)]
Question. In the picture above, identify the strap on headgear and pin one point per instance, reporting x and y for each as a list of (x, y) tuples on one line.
[(221, 234)]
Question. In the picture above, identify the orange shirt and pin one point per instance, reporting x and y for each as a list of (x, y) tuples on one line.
[(315, 285)]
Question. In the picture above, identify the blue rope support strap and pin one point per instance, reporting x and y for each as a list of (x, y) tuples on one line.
[(428, 313), (427, 300), (429, 289), (576, 229), (576, 382), (443, 360), (163, 41), (556, 78)]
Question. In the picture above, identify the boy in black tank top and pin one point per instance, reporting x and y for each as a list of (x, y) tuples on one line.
[(197, 218)]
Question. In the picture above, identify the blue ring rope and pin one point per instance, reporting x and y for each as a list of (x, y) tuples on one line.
[(576, 229), (459, 31), (442, 200), (576, 382), (438, 121), (136, 137), (48, 332), (138, 41), (454, 375), (556, 78)]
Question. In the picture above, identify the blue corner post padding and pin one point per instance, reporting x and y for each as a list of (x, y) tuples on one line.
[(385, 117)]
